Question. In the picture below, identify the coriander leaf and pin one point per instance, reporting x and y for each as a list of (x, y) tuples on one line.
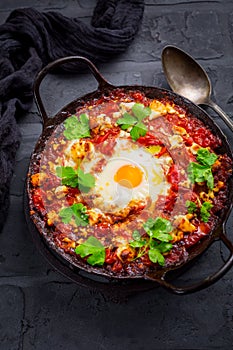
[(136, 235), (209, 179), (162, 225), (165, 237), (138, 130), (156, 250), (75, 178), (140, 111), (85, 181), (127, 119), (125, 126), (77, 127), (159, 229), (97, 258), (153, 243), (192, 207), (196, 172), (92, 248), (71, 122), (205, 157), (76, 211), (200, 173), (79, 211), (84, 119), (155, 256), (79, 207), (68, 175), (149, 224), (66, 214), (164, 247), (205, 214), (138, 242)]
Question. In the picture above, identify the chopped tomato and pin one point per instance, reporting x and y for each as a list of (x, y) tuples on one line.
[(106, 143), (37, 196), (110, 256), (204, 137), (149, 140), (174, 119), (109, 134), (173, 175)]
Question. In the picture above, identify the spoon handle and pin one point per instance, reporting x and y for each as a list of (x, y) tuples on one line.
[(222, 114)]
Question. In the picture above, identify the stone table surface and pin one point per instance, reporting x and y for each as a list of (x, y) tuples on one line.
[(42, 309)]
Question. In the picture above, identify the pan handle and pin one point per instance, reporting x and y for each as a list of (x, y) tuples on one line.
[(102, 83), (205, 282)]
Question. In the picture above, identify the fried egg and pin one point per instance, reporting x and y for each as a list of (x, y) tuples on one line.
[(131, 174)]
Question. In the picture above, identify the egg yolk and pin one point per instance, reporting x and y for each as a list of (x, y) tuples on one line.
[(128, 176)]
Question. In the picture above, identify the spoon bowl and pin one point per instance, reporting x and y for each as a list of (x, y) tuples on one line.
[(187, 78)]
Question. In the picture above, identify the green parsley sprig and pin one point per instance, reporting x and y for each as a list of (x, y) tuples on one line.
[(93, 249), (205, 157), (201, 172), (204, 209), (157, 241), (75, 178), (191, 206), (77, 127), (134, 120), (77, 212)]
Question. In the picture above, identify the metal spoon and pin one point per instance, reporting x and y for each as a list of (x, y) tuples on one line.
[(187, 78)]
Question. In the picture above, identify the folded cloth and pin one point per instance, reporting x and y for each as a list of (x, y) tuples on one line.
[(29, 40)]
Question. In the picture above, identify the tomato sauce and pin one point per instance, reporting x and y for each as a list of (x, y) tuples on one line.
[(188, 230)]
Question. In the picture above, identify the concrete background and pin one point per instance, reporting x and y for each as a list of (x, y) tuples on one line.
[(39, 308)]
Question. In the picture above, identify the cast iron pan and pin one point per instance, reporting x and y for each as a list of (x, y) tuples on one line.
[(163, 277)]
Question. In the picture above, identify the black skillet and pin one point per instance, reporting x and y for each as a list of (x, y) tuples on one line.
[(63, 262)]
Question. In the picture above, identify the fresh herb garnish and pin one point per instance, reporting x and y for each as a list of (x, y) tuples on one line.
[(135, 121), (156, 254), (191, 206), (205, 157), (202, 172), (85, 181), (77, 212), (204, 211), (75, 178), (138, 130), (92, 248), (140, 111), (68, 175), (138, 242), (158, 228), (156, 244), (77, 127)]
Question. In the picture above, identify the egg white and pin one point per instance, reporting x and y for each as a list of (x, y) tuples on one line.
[(114, 196), (110, 196)]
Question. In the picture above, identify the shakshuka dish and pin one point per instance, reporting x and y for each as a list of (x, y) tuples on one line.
[(128, 183)]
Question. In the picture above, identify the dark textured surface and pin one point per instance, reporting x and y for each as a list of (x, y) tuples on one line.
[(42, 310)]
